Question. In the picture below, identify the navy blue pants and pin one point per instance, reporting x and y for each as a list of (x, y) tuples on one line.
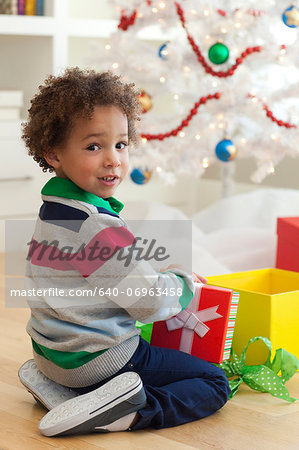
[(180, 388)]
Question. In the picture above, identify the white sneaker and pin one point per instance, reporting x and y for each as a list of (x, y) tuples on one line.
[(95, 410), (44, 390)]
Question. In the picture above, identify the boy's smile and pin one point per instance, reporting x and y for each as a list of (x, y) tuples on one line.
[(95, 156)]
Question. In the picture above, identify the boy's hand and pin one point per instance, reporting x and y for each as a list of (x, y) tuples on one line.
[(196, 278)]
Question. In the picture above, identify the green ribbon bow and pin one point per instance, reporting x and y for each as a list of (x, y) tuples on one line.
[(264, 377)]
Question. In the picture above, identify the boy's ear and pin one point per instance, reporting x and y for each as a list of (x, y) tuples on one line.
[(52, 159)]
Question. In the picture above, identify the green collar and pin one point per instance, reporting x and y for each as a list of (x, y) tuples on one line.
[(60, 187)]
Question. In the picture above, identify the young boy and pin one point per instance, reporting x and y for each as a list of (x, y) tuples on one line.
[(80, 126)]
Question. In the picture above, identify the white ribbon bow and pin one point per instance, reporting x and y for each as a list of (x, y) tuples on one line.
[(194, 321)]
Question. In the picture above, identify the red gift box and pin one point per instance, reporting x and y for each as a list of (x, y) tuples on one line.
[(205, 328), (287, 254)]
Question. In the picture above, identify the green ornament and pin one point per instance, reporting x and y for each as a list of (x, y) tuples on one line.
[(218, 53)]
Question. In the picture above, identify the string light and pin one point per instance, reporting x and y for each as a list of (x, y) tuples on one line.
[(176, 97), (158, 169), (162, 5), (115, 65), (162, 79), (182, 134), (211, 126), (223, 30), (205, 163), (144, 140), (274, 137), (271, 170), (221, 125), (186, 69), (197, 137), (244, 141), (154, 10), (108, 47), (206, 12)]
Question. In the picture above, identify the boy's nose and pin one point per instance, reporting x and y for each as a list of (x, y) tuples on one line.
[(112, 159)]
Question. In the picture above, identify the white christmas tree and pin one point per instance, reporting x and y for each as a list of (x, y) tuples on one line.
[(219, 74)]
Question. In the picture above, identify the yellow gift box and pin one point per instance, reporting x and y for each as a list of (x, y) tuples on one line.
[(268, 306)]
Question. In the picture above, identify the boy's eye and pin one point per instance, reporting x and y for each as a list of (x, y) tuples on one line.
[(93, 147), (121, 145)]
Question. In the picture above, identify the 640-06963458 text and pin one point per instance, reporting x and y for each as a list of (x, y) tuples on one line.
[(109, 292)]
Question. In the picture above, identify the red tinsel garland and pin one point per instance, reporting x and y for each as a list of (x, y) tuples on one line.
[(252, 12), (127, 21), (269, 114), (200, 57), (184, 123)]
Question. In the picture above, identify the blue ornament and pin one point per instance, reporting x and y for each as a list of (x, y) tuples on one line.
[(163, 51), (140, 176), (225, 150), (290, 17)]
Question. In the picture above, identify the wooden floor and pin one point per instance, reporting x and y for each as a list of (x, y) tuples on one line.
[(249, 421)]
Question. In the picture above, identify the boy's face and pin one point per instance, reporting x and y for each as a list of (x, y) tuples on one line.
[(95, 156)]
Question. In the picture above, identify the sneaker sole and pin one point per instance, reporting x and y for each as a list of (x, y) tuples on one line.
[(44, 390), (89, 412)]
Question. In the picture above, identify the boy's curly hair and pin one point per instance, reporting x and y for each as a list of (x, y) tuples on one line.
[(75, 94)]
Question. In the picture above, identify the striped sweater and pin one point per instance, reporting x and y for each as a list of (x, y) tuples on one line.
[(82, 323)]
